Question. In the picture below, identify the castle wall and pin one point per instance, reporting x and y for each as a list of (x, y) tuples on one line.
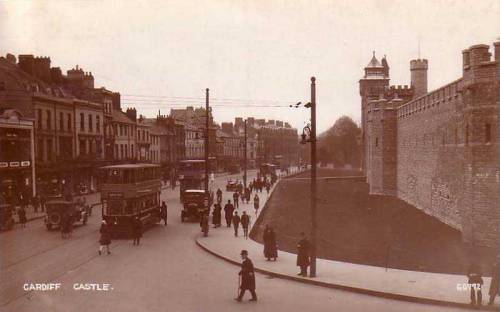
[(430, 160), (440, 151)]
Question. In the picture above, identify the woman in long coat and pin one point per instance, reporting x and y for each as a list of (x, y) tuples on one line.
[(105, 238), (217, 215), (270, 248)]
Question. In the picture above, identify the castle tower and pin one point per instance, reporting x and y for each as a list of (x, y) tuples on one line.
[(371, 86), (418, 69)]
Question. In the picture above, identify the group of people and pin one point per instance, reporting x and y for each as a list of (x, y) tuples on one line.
[(475, 277)]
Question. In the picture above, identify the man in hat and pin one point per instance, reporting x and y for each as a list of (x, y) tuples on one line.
[(303, 254), (247, 277), (236, 223)]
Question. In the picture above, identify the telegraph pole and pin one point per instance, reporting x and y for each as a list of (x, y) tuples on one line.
[(245, 163), (207, 141), (313, 177)]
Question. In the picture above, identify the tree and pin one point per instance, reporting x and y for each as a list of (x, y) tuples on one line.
[(339, 144)]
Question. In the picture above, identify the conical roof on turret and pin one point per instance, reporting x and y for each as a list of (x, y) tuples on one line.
[(374, 62)]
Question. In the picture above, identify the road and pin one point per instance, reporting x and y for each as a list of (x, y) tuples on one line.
[(167, 272)]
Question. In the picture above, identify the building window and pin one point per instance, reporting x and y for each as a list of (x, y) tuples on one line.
[(39, 119), (69, 122), (98, 124), (487, 133), (82, 122), (91, 125), (40, 149), (61, 121), (83, 147), (49, 150), (98, 147), (466, 134), (49, 120)]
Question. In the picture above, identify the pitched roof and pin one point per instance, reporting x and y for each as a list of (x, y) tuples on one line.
[(120, 116)]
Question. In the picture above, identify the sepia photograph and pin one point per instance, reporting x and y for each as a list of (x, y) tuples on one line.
[(249, 155)]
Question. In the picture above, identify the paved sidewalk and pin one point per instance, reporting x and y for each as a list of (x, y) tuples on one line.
[(422, 287)]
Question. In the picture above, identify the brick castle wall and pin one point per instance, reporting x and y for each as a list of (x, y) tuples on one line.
[(440, 151)]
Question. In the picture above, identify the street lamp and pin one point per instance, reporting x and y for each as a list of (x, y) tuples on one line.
[(309, 135)]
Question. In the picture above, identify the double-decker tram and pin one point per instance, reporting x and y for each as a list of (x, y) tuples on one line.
[(129, 191)]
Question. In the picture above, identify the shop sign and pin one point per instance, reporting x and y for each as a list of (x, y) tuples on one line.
[(4, 164), (25, 163), (14, 164)]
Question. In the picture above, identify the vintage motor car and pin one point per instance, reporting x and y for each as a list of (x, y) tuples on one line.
[(195, 204), (6, 217), (58, 209), (232, 186)]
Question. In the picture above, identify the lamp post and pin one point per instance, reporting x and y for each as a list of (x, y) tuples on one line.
[(245, 161), (310, 131), (207, 141)]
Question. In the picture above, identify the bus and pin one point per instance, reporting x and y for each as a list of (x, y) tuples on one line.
[(192, 174), (129, 191)]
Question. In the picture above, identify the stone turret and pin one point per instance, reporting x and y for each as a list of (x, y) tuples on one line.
[(418, 69)]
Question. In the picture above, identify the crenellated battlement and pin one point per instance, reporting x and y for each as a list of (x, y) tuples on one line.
[(439, 150)]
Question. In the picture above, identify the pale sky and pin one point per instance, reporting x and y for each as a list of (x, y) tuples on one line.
[(259, 53)]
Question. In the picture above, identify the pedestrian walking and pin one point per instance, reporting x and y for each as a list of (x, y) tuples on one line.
[(236, 223), (476, 283), (495, 281), (303, 260), (228, 213), (43, 200), (256, 203), (247, 275), (236, 196), (204, 224), (164, 212), (36, 203), (105, 238), (22, 216), (270, 246), (219, 195), (64, 226), (69, 225), (245, 223), (247, 194), (137, 230), (268, 187), (217, 215)]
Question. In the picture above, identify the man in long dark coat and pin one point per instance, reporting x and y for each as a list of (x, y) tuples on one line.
[(164, 212), (137, 230), (228, 213), (303, 254), (495, 281), (236, 223), (247, 277), (245, 223), (236, 197)]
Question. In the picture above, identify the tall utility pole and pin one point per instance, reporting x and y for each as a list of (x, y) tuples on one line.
[(245, 163), (313, 177), (207, 141)]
